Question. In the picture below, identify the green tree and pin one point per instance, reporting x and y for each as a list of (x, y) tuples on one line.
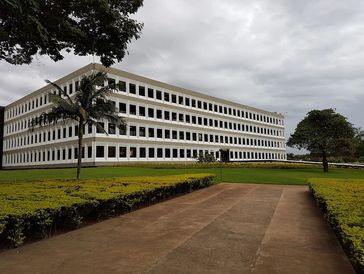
[(89, 105), (359, 153), (96, 27), (324, 132)]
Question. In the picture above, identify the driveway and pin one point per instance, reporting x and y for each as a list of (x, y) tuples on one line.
[(226, 228)]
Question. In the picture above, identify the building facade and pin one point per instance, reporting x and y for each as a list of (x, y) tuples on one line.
[(165, 123)]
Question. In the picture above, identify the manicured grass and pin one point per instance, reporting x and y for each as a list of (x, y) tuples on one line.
[(343, 204), (267, 174), (34, 209)]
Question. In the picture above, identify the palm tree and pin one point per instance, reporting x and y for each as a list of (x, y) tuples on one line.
[(89, 105)]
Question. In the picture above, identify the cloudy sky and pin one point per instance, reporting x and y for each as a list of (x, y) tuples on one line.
[(283, 55)]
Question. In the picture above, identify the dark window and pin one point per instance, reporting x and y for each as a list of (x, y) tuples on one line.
[(122, 152), (110, 82), (122, 130), (132, 131), (175, 153), (112, 128), (89, 128), (122, 86), (141, 111), (174, 116), (99, 129), (151, 152), (187, 101), (141, 91), (159, 114), (122, 108), (70, 88), (132, 88), (159, 95), (159, 133), (166, 115), (180, 100), (99, 151), (166, 96), (159, 152), (142, 131), (142, 152), (188, 120), (132, 109), (167, 134), (167, 153), (89, 152), (111, 152), (150, 93), (174, 98), (150, 113), (133, 152), (150, 132)]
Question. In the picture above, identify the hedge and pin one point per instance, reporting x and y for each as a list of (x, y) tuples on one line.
[(189, 165), (35, 210), (342, 202)]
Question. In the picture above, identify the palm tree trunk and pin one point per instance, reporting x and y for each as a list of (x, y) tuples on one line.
[(79, 156), (325, 163)]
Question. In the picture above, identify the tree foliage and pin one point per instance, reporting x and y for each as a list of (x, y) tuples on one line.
[(324, 132), (89, 105), (96, 27)]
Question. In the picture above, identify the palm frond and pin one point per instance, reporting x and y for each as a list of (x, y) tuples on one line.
[(60, 90), (68, 105)]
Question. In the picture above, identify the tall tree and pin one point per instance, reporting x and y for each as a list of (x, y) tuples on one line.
[(324, 132), (89, 105), (359, 153), (96, 27)]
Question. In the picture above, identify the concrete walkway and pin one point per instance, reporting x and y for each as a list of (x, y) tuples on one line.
[(227, 228)]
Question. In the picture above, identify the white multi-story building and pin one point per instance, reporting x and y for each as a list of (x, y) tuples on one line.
[(164, 123)]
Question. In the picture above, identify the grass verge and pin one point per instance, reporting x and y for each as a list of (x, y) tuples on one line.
[(259, 173), (343, 204), (34, 210)]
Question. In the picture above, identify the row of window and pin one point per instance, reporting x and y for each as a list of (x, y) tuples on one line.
[(137, 131), (169, 97), (171, 116), (151, 93), (123, 152), (38, 101)]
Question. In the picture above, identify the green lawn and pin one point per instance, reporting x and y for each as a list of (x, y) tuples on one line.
[(237, 175)]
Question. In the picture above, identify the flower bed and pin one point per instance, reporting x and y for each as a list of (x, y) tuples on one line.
[(343, 204), (33, 210)]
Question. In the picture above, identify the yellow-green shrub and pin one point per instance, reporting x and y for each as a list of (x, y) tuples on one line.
[(31, 210), (268, 165), (343, 204)]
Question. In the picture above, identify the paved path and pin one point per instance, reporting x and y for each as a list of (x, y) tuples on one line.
[(227, 228)]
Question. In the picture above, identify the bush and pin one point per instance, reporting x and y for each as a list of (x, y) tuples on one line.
[(35, 210), (205, 158), (343, 204)]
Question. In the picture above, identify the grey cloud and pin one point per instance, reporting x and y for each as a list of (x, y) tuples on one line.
[(285, 56)]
